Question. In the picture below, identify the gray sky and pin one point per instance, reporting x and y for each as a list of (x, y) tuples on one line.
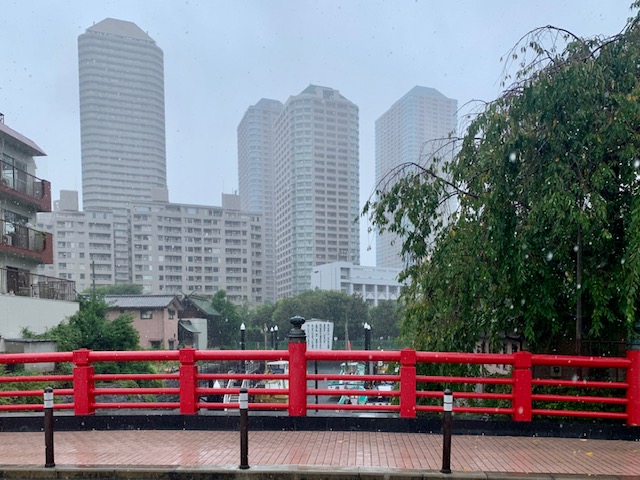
[(222, 56)]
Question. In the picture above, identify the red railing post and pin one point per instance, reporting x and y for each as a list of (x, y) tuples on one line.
[(633, 379), (188, 381), (297, 369), (521, 387), (83, 384), (408, 387)]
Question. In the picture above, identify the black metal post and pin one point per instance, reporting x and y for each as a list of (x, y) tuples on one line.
[(367, 346), (48, 427), (242, 347), (446, 432), (275, 337), (244, 429)]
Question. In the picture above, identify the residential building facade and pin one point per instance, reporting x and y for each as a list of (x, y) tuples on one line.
[(414, 129), (183, 248), (84, 249), (316, 186), (256, 177), (27, 300), (373, 284), (122, 125), (155, 317)]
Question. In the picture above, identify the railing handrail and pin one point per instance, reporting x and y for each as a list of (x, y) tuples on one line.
[(63, 289), (524, 403), (28, 186)]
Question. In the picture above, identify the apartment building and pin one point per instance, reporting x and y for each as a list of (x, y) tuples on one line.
[(122, 126), (184, 248), (256, 177), (27, 300), (373, 284), (413, 129), (316, 158), (84, 246)]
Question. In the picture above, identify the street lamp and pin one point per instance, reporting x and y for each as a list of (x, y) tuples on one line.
[(275, 337), (242, 346), (367, 345)]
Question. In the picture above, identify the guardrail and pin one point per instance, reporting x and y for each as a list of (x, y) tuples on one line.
[(189, 390)]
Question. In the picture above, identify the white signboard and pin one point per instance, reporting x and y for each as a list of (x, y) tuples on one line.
[(319, 334)]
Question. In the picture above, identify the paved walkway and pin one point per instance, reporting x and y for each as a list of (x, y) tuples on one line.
[(413, 455)]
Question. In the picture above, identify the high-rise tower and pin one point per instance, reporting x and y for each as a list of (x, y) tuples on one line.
[(414, 128), (122, 125), (316, 186), (256, 177)]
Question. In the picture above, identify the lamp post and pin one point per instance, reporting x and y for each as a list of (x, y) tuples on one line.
[(243, 346), (273, 342), (275, 337), (367, 345)]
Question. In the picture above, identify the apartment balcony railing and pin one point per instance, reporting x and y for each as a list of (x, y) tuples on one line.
[(22, 240), (27, 284), (25, 187)]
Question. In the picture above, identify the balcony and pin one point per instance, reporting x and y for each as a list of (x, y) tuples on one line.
[(26, 284), (26, 242), (25, 188)]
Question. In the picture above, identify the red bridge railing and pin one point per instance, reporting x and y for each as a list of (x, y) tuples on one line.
[(187, 388)]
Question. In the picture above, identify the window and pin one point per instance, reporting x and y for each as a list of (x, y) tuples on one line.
[(146, 314)]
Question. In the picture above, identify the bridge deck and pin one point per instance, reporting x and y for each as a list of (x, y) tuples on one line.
[(350, 453)]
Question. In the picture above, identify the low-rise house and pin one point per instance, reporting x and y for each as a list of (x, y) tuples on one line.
[(155, 317)]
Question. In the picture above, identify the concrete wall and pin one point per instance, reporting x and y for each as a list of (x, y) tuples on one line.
[(37, 314)]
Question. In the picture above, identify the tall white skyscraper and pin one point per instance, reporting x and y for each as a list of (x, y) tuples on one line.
[(122, 125), (412, 130), (316, 186), (256, 177)]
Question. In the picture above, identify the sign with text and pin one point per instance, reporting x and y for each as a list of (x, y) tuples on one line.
[(319, 334)]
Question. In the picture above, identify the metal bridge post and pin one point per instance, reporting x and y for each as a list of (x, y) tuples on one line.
[(408, 388), (633, 379), (297, 369), (522, 387), (83, 383), (188, 382)]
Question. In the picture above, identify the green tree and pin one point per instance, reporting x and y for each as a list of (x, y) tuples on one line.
[(545, 237), (385, 319), (119, 289), (89, 328), (225, 331), (345, 311)]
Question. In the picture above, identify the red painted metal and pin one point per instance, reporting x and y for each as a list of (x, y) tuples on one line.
[(297, 378), (408, 383), (188, 381), (522, 387), (83, 383), (575, 361), (408, 391), (633, 391)]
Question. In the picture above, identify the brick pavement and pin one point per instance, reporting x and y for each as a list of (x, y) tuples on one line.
[(331, 451)]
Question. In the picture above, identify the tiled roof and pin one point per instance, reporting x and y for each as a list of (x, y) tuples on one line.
[(139, 301), (204, 304)]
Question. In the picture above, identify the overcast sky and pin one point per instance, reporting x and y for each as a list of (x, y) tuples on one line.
[(220, 57)]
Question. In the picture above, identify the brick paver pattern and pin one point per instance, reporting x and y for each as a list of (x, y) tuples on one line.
[(325, 449)]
